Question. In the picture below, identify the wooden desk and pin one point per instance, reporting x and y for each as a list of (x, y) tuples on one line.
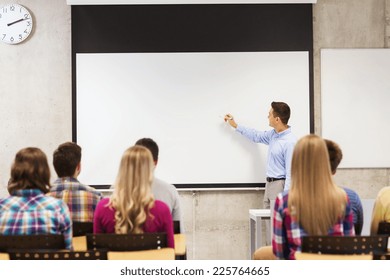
[(4, 256)]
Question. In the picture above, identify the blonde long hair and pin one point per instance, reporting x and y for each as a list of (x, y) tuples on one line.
[(132, 198), (315, 201)]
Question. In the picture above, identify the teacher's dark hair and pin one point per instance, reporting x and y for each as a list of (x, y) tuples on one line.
[(281, 110), (30, 170)]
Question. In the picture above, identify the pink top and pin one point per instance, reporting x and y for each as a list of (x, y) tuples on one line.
[(104, 220)]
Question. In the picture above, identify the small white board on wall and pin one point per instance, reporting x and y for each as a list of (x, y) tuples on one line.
[(355, 91)]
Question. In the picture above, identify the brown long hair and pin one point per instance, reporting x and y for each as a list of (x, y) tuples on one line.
[(132, 198), (30, 170), (314, 199)]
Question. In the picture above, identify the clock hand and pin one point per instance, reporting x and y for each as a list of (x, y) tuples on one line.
[(16, 21)]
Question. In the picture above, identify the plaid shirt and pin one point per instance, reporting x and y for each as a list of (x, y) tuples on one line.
[(29, 211), (81, 199), (288, 232)]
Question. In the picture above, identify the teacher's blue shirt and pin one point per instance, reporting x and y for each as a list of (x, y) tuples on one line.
[(280, 151)]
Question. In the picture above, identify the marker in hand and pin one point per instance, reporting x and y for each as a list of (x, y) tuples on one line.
[(229, 118)]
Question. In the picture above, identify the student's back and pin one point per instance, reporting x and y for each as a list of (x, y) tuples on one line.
[(162, 190), (157, 221), (314, 205), (28, 211), (81, 199), (335, 157), (132, 208)]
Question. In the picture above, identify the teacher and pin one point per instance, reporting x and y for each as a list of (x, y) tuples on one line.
[(281, 143)]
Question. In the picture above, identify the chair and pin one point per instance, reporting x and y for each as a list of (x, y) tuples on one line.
[(127, 242), (264, 253), (60, 255), (82, 228), (384, 228), (176, 227), (381, 256), (132, 246), (315, 256), (180, 246), (344, 245), (32, 242), (180, 242), (341, 247)]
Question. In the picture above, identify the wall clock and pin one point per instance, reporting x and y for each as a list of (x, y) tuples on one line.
[(16, 23)]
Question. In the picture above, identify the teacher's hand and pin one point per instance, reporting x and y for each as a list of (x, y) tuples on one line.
[(229, 118)]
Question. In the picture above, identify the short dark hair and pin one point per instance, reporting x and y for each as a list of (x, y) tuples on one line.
[(66, 158), (30, 170), (150, 145), (335, 154), (281, 110)]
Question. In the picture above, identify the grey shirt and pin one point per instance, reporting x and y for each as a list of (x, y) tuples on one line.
[(168, 194)]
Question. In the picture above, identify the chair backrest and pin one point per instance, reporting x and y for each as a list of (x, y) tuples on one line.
[(344, 244), (384, 228), (82, 228), (381, 256), (60, 255), (127, 242), (176, 227), (36, 242)]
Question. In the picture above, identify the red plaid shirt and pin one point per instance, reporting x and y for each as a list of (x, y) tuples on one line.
[(288, 232)]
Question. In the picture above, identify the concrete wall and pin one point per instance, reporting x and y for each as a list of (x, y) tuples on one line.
[(35, 85), (351, 24), (35, 110)]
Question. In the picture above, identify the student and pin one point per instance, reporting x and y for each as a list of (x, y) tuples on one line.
[(281, 143), (81, 199), (162, 190), (381, 211), (335, 157), (132, 208), (314, 205), (28, 211)]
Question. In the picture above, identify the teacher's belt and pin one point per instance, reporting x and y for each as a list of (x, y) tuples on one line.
[(270, 179)]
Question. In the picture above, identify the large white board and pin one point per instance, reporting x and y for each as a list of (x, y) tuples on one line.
[(355, 90), (179, 100)]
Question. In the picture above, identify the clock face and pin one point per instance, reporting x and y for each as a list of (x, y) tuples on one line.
[(15, 23)]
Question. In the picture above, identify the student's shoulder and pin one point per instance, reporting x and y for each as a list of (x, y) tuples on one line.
[(160, 206), (350, 192), (158, 183), (51, 202), (104, 201), (384, 191), (87, 188)]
